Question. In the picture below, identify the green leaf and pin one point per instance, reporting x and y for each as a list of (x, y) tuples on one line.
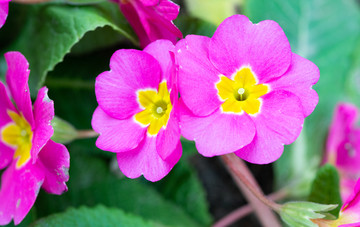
[(97, 217), (52, 30), (213, 11), (297, 214), (325, 188), (328, 42), (183, 187), (92, 182)]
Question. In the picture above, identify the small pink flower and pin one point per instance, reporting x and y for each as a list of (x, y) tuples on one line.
[(349, 215), (4, 10), (31, 159), (243, 90), (343, 146), (152, 19), (137, 113)]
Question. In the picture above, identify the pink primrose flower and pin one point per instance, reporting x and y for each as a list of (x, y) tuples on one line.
[(31, 159), (152, 19), (349, 215), (4, 10), (137, 113), (243, 90), (343, 146)]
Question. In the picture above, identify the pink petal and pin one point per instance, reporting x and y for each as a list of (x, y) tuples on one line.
[(167, 9), (168, 139), (197, 75), (149, 2), (144, 160), (130, 70), (263, 46), (19, 189), (352, 204), (345, 116), (4, 10), (218, 133), (348, 153), (17, 77), (43, 114), (279, 122), (116, 135), (6, 153), (299, 79), (131, 15), (55, 160), (163, 52), (152, 22)]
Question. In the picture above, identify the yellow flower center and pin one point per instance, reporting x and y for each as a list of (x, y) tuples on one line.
[(157, 107), (241, 93), (18, 134)]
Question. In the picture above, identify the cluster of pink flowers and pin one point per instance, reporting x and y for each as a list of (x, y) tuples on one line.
[(242, 91), (32, 160)]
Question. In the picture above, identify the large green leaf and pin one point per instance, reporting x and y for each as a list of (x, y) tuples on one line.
[(97, 217), (324, 32), (92, 183), (51, 30), (326, 189)]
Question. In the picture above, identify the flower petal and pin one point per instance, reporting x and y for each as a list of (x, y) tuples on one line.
[(163, 52), (19, 189), (197, 76), (145, 160), (43, 115), (131, 70), (264, 47), (116, 135), (4, 10), (218, 133), (348, 153), (299, 79), (279, 122), (55, 160), (345, 116), (168, 139), (17, 77)]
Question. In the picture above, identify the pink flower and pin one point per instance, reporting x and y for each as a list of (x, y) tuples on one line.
[(152, 19), (31, 159), (349, 215), (243, 90), (343, 146), (4, 10), (137, 113)]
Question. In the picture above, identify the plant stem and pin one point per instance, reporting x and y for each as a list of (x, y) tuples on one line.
[(247, 209), (247, 184), (30, 1), (84, 134)]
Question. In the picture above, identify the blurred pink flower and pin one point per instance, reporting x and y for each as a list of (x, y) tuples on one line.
[(137, 113), (243, 90), (31, 159), (4, 10), (343, 146), (152, 19)]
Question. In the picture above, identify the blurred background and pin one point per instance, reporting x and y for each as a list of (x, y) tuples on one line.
[(69, 42)]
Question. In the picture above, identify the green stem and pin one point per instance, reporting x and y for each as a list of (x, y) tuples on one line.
[(85, 134)]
